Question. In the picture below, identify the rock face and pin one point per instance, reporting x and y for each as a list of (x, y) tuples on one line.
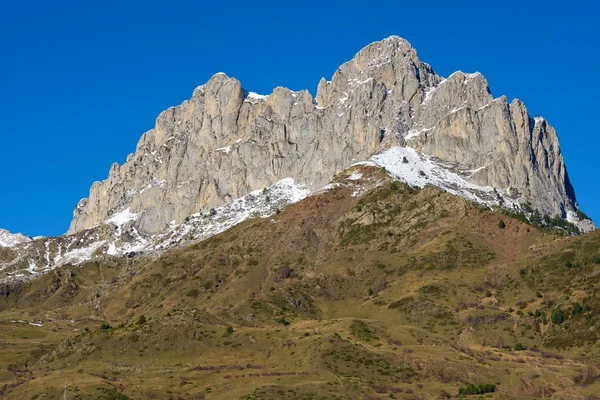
[(225, 142)]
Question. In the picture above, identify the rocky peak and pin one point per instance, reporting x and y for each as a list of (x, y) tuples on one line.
[(8, 239), (226, 142), (392, 63)]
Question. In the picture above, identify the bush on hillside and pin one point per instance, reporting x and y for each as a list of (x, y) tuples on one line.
[(476, 389), (558, 316)]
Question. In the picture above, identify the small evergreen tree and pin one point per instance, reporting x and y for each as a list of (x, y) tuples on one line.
[(577, 309), (558, 316)]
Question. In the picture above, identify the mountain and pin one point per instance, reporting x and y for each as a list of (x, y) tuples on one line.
[(401, 235), (8, 239), (226, 142), (371, 288), (227, 155)]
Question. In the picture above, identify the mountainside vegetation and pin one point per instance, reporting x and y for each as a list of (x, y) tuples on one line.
[(370, 289)]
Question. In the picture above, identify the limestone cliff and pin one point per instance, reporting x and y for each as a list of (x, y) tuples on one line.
[(225, 142)]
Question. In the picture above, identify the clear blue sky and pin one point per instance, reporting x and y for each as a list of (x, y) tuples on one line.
[(80, 81)]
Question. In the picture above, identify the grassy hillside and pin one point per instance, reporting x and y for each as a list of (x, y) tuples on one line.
[(371, 289)]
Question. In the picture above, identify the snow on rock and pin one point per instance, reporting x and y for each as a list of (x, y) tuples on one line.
[(123, 239), (80, 255), (8, 239), (122, 217), (226, 149), (255, 96), (538, 120), (112, 249), (259, 203), (354, 176), (415, 133), (417, 169)]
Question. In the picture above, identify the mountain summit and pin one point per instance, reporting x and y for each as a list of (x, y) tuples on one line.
[(226, 142)]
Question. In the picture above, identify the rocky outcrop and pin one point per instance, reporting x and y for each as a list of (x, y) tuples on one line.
[(8, 239), (225, 142)]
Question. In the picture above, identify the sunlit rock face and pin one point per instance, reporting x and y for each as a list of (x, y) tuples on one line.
[(226, 142)]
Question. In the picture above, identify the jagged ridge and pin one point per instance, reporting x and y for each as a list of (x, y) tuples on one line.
[(226, 142)]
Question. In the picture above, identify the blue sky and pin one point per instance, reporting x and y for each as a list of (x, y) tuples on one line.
[(80, 81)]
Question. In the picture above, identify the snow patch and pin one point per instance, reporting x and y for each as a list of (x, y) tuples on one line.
[(8, 239), (259, 203), (355, 176), (414, 133), (226, 149), (83, 254), (112, 249), (256, 96), (122, 217), (417, 169)]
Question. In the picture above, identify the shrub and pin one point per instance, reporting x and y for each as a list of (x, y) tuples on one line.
[(558, 316), (477, 389), (520, 347), (229, 330), (521, 304), (141, 320), (105, 326), (501, 224)]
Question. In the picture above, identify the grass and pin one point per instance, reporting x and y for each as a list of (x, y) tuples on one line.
[(465, 302)]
